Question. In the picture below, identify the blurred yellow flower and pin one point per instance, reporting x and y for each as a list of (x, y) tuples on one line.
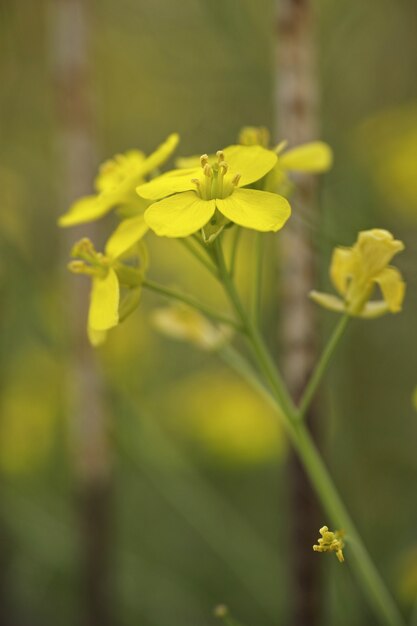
[(183, 323), (187, 200), (107, 274), (314, 157), (355, 271), (232, 426), (115, 186)]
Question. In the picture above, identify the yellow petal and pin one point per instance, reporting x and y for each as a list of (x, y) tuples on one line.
[(255, 209), (192, 161), (251, 162), (180, 215), (172, 182), (126, 235), (326, 300), (341, 268), (104, 302), (312, 157), (86, 209), (376, 248), (374, 309), (161, 154), (392, 287)]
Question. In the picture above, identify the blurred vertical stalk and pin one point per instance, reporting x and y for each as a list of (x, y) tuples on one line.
[(69, 30), (296, 121)]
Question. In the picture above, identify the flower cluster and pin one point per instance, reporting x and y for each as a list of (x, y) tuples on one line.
[(330, 542), (244, 185), (357, 270)]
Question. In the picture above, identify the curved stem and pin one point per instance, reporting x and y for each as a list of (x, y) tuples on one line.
[(322, 365), (191, 301), (372, 584), (199, 256)]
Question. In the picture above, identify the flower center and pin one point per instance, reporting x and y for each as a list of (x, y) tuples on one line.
[(215, 181)]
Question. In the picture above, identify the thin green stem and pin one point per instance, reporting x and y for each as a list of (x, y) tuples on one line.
[(257, 279), (199, 256), (252, 331), (235, 245), (191, 301), (322, 365), (374, 587)]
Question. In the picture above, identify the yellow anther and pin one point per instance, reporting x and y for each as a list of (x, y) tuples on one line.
[(235, 180), (220, 156), (281, 146), (223, 166), (196, 182), (208, 170), (79, 267), (204, 160)]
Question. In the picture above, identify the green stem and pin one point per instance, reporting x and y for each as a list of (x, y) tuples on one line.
[(191, 301), (235, 245), (257, 279), (199, 256), (377, 593), (251, 330), (322, 365)]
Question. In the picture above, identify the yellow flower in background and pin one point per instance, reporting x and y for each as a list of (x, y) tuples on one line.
[(330, 542), (115, 186), (314, 157), (187, 200), (107, 275), (233, 426), (183, 323), (357, 270)]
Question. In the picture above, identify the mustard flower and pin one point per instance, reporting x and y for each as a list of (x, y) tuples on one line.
[(330, 542), (115, 188), (107, 274), (357, 270), (187, 200)]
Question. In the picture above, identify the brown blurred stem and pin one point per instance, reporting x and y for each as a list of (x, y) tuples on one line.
[(69, 30), (296, 121)]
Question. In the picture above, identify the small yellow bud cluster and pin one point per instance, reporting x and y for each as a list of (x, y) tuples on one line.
[(254, 136), (330, 542)]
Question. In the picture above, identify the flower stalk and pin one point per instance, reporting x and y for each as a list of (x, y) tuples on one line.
[(372, 584)]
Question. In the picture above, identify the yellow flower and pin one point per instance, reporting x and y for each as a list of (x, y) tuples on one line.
[(355, 271), (330, 542), (183, 323), (108, 274), (314, 157), (187, 200), (115, 186)]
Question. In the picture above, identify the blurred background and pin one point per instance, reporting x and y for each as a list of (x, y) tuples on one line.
[(168, 492)]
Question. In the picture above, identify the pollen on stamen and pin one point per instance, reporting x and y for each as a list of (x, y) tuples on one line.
[(204, 160), (196, 182), (223, 166), (235, 180), (220, 156)]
